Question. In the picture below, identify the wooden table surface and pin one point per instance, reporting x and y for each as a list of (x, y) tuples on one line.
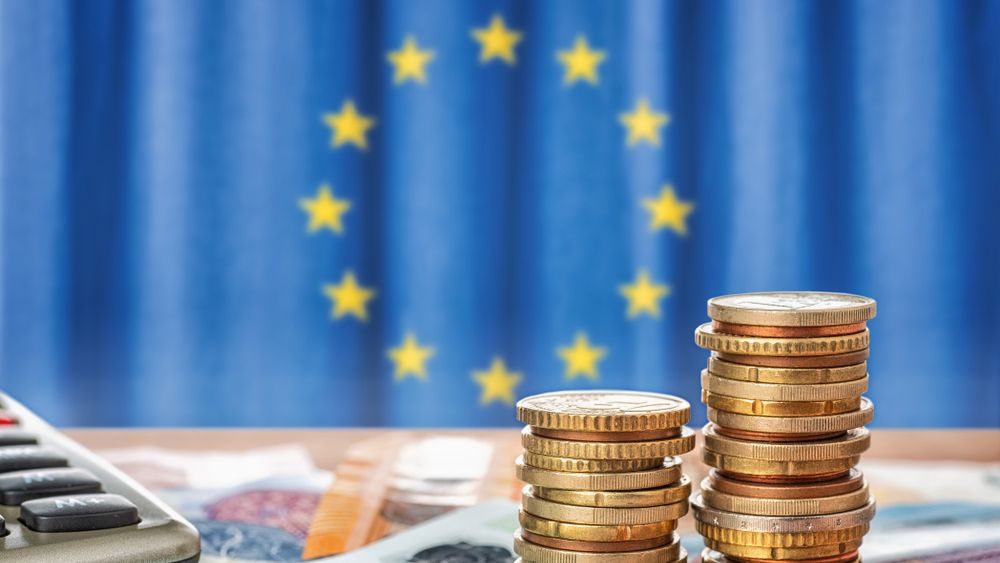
[(327, 445)]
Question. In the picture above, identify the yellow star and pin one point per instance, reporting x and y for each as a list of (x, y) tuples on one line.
[(349, 126), (409, 358), (497, 41), (581, 62), (498, 384), (409, 62), (581, 358), (644, 295), (325, 210), (349, 297), (644, 124), (668, 211)]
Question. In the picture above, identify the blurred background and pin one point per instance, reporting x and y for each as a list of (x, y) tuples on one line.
[(412, 213)]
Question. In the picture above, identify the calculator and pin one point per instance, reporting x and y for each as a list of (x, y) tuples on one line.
[(60, 503)]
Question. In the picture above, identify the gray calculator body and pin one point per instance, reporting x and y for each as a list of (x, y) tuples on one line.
[(161, 536)]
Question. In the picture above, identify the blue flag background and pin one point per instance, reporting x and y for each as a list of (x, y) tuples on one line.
[(162, 163)]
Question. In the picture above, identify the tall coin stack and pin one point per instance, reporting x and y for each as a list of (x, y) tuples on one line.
[(783, 389), (603, 482)]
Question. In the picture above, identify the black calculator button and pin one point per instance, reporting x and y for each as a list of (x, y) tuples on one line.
[(21, 486), (17, 438), (78, 513), (19, 458)]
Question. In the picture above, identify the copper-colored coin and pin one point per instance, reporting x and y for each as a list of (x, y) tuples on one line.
[(853, 481), (771, 437), (710, 556), (787, 331), (637, 436), (850, 557), (596, 546), (831, 361), (706, 337), (786, 479), (530, 551)]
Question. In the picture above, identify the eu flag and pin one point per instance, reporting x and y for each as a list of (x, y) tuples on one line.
[(414, 212)]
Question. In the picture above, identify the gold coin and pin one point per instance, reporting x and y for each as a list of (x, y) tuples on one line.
[(780, 392), (758, 407), (782, 539), (781, 524), (608, 450), (785, 375), (590, 532), (532, 552), (604, 411), (709, 556), (784, 553), (619, 499), (575, 465), (788, 308), (783, 507), (705, 336), (667, 472), (854, 442), (549, 510), (749, 466), (596, 546), (794, 424)]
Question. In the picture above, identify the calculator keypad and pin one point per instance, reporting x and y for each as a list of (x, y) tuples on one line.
[(17, 438), (52, 497), (79, 513), (20, 458), (21, 486)]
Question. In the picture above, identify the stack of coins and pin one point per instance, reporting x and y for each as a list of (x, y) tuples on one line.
[(603, 480), (783, 389)]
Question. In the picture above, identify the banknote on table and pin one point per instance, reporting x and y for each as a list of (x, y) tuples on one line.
[(256, 522), (396, 481), (482, 533), (252, 506), (944, 511), (160, 468)]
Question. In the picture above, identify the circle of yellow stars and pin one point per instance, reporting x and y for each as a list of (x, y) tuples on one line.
[(497, 42)]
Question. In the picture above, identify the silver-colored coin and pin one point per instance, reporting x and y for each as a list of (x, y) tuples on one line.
[(783, 524)]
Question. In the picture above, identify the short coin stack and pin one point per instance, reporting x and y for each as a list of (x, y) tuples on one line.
[(603, 482), (783, 389)]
